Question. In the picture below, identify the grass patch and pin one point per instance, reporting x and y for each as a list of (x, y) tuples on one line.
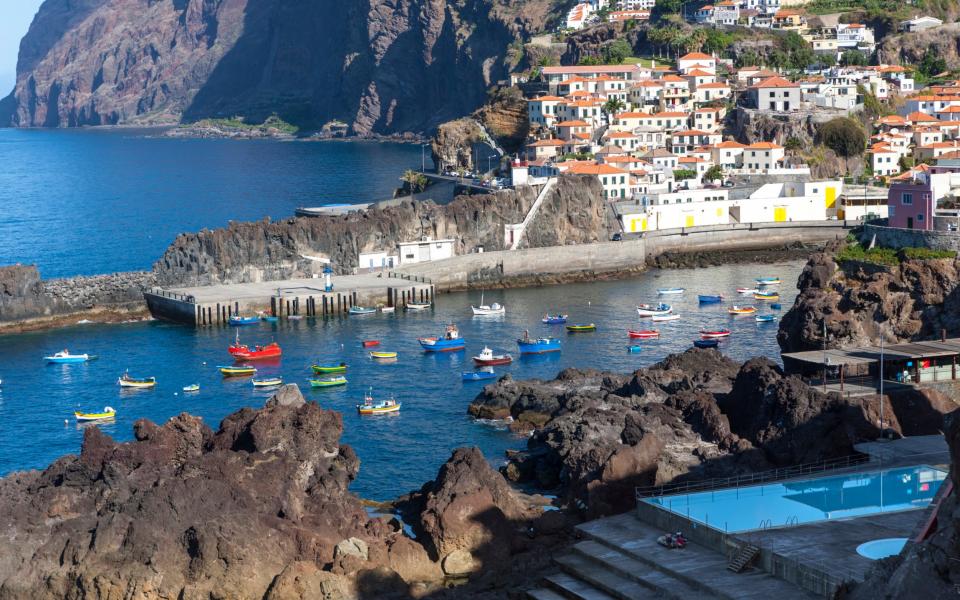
[(927, 253), (272, 122), (643, 62), (889, 257)]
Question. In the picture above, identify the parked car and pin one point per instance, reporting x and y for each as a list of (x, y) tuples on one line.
[(617, 237)]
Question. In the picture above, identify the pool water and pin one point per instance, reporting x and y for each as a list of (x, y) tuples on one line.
[(797, 502), (877, 549)]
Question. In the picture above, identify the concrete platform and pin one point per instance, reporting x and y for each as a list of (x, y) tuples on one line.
[(914, 450)]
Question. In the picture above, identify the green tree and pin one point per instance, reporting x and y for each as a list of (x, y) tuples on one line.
[(414, 181), (853, 57), (932, 63), (844, 136), (589, 60), (682, 174), (618, 51), (665, 7), (613, 106), (714, 173), (793, 144)]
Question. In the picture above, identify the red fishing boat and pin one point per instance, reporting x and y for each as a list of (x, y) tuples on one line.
[(712, 334), (370, 343), (487, 358), (243, 352), (644, 334)]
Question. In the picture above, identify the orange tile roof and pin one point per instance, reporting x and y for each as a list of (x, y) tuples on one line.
[(574, 123), (595, 169), (713, 86), (919, 117), (731, 144), (620, 134), (547, 99), (775, 82), (633, 115), (696, 56), (764, 146), (699, 73), (689, 132), (547, 143)]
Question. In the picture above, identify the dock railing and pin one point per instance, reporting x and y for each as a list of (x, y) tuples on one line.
[(409, 277), (172, 295)]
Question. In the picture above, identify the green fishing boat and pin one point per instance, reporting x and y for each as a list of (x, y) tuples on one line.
[(326, 369), (328, 382)]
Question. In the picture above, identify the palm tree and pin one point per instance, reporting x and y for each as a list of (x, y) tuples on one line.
[(612, 106)]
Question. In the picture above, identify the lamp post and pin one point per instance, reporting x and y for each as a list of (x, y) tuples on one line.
[(824, 355), (881, 381)]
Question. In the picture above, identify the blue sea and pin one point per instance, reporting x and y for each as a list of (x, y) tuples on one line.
[(101, 201)]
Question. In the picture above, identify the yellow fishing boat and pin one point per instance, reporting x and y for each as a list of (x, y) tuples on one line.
[(237, 371), (268, 382), (328, 382), (579, 328), (383, 355), (770, 297), (108, 413), (132, 382), (742, 310), (369, 407)]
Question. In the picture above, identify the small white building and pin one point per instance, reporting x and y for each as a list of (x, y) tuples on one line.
[(425, 250), (377, 259), (920, 23)]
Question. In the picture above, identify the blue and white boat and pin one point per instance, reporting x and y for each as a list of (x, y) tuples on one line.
[(269, 318), (64, 357), (478, 375), (765, 318), (654, 310), (450, 341), (554, 319), (361, 310), (775, 306), (710, 298), (768, 280), (237, 320), (706, 343), (633, 349), (665, 291), (542, 345)]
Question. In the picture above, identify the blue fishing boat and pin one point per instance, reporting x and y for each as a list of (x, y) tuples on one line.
[(269, 319), (542, 345), (450, 341), (634, 349), (710, 298), (554, 319), (654, 310), (712, 343), (361, 310), (775, 306), (238, 320), (64, 358), (768, 280), (665, 291), (765, 318), (478, 375)]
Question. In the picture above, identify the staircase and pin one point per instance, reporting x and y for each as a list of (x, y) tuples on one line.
[(518, 234), (743, 558)]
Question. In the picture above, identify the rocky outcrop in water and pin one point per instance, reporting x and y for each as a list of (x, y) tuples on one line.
[(859, 302), (259, 508), (377, 66)]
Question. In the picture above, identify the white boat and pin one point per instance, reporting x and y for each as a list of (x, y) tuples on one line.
[(664, 291), (487, 310), (64, 357), (662, 318), (747, 291), (653, 310), (388, 309), (418, 305)]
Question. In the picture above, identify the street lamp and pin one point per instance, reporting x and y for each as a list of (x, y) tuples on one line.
[(881, 380)]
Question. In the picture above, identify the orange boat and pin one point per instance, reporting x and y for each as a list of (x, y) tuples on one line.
[(644, 334), (370, 343), (243, 352)]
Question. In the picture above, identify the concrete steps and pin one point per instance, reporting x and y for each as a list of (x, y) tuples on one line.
[(568, 586), (543, 594), (605, 580)]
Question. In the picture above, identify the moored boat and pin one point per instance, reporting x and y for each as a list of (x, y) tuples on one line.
[(581, 327), (237, 371), (485, 310), (383, 355), (238, 320), (132, 382), (478, 375), (269, 318), (747, 291), (554, 319), (643, 334), (361, 310), (193, 387), (268, 382), (387, 309), (488, 358), (243, 352), (710, 343), (767, 280), (64, 357), (767, 297), (654, 310), (369, 407), (325, 382), (370, 343), (327, 369), (714, 333), (541, 345), (663, 318), (108, 413), (765, 318), (737, 309), (418, 305), (710, 298), (666, 291), (449, 342), (775, 306), (634, 348)]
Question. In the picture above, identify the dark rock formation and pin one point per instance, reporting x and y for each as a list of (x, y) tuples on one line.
[(377, 66), (916, 299), (909, 48)]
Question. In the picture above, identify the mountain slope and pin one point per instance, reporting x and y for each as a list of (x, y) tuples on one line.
[(378, 65)]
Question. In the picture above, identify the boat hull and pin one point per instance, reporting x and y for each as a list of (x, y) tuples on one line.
[(442, 345), (714, 335), (417, 306), (705, 343), (66, 360), (669, 291), (328, 369), (267, 383), (643, 335), (239, 321), (235, 372), (378, 410), (554, 320), (539, 346), (245, 353), (493, 362), (710, 299), (663, 318), (580, 328), (331, 382), (370, 343), (383, 355), (85, 417)]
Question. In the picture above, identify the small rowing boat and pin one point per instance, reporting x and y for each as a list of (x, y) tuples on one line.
[(775, 306), (132, 382), (383, 355), (706, 343), (243, 352), (767, 297), (643, 334), (237, 371), (580, 328), (194, 387), (418, 305), (370, 343), (387, 309), (361, 310), (269, 318), (634, 349), (663, 318), (64, 358), (108, 413), (710, 298), (487, 358), (449, 342), (712, 334), (478, 375), (765, 318), (768, 280), (542, 345), (369, 407), (237, 320), (654, 310), (747, 291), (325, 382), (667, 291), (554, 319), (742, 310), (327, 369), (268, 382)]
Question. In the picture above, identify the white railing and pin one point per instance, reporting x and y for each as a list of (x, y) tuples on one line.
[(522, 229)]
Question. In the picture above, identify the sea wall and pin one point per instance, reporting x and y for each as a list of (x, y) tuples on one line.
[(896, 237)]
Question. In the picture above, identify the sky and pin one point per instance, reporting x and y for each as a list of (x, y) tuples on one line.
[(15, 17)]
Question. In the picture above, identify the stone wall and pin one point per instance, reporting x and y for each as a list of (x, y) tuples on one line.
[(895, 237)]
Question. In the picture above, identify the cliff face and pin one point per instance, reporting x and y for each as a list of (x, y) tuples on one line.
[(378, 65), (909, 48)]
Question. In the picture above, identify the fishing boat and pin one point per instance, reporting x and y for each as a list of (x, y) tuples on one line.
[(737, 309), (775, 306), (485, 310), (643, 334), (238, 320), (243, 352), (361, 310), (450, 341), (370, 343), (487, 358), (712, 334), (64, 357), (710, 298), (747, 291), (268, 382), (326, 382), (477, 375), (667, 291), (767, 297), (237, 371), (383, 355), (580, 328), (554, 319), (132, 382), (269, 318), (387, 309), (194, 387), (663, 318), (328, 369), (369, 407), (418, 305), (710, 343), (294, 317), (634, 348), (542, 345), (765, 318), (108, 413), (654, 310), (768, 280)]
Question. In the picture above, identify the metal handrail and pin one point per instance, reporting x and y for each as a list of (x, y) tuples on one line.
[(408, 277)]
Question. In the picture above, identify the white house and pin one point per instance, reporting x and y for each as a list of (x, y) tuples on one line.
[(920, 23), (884, 160), (696, 60), (425, 250), (762, 156)]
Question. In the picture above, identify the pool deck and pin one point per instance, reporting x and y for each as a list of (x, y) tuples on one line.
[(914, 450)]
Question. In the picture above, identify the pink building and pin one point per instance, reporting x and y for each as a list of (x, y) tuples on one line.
[(910, 204)]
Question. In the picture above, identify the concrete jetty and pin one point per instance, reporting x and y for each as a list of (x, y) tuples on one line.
[(215, 304)]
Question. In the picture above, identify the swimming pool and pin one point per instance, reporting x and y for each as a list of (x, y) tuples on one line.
[(796, 502)]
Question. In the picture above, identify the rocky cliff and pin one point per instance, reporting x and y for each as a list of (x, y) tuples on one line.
[(264, 251), (909, 48), (380, 65), (259, 509), (860, 302)]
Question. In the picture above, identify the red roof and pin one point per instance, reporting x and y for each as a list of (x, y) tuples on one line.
[(696, 56), (775, 82)]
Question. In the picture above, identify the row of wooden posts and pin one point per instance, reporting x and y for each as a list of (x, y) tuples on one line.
[(328, 305)]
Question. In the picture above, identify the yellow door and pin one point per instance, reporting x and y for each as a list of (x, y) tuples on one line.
[(638, 224), (779, 213), (841, 214), (831, 197), (689, 221), (643, 224)]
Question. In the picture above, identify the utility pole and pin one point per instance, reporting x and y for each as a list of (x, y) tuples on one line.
[(881, 381), (423, 158), (824, 355)]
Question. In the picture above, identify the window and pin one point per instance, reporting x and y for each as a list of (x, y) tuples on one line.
[(920, 218), (906, 199)]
